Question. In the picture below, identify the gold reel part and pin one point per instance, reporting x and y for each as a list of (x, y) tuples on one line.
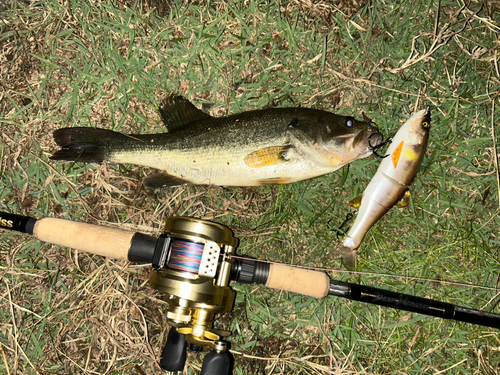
[(195, 297)]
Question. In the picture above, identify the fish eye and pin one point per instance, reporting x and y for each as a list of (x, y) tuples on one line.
[(426, 124), (349, 122)]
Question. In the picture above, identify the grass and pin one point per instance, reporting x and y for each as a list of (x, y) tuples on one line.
[(107, 64)]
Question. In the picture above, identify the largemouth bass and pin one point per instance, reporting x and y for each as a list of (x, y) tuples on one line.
[(269, 146), (390, 183)]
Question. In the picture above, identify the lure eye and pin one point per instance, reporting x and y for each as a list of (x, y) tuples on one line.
[(426, 124), (349, 122)]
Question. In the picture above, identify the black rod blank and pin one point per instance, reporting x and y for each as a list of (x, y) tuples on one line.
[(407, 302), (18, 223)]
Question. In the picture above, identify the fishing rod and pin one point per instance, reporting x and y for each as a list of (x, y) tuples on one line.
[(193, 264)]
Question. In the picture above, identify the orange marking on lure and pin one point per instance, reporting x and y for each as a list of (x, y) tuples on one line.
[(396, 154)]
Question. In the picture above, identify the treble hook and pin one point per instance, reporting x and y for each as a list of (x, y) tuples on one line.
[(378, 147), (339, 230)]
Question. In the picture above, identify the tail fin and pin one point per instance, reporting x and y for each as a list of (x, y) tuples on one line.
[(347, 255), (87, 145)]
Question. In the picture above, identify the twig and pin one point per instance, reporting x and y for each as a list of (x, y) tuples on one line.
[(4, 359), (495, 154)]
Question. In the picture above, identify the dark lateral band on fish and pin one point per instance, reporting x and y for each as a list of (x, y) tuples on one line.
[(268, 146)]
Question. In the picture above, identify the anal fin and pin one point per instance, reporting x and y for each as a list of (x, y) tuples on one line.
[(163, 180), (275, 181)]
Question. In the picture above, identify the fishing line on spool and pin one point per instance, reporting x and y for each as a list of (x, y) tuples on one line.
[(185, 255)]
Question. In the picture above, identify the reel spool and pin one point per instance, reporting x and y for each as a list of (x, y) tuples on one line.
[(192, 267)]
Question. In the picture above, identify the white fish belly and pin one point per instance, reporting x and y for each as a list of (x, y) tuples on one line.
[(219, 166)]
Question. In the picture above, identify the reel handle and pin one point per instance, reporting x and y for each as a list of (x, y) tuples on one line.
[(217, 363), (173, 355)]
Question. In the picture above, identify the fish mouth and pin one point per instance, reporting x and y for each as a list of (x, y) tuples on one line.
[(381, 144), (375, 141), (368, 140)]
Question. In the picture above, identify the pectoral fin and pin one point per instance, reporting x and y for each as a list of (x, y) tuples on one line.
[(266, 156)]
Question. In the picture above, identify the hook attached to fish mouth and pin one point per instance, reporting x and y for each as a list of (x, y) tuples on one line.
[(379, 146)]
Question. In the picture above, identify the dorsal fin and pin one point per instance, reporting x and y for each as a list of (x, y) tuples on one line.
[(176, 111)]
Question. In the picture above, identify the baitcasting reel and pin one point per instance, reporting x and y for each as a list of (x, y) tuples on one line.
[(192, 267)]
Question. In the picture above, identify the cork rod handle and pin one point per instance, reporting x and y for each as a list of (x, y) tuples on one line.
[(95, 239), (310, 283)]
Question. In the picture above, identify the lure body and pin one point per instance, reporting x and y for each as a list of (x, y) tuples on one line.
[(391, 181)]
